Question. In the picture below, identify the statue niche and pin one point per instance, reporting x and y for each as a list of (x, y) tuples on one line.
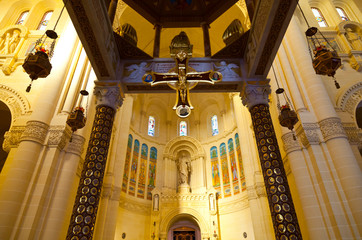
[(183, 163)]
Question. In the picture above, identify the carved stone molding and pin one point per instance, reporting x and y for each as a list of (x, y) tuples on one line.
[(332, 128), (349, 100), (116, 193), (58, 136), (290, 144), (354, 134), (17, 104), (233, 206), (251, 192), (308, 134), (133, 206), (35, 131), (76, 146), (108, 95), (255, 94), (12, 137)]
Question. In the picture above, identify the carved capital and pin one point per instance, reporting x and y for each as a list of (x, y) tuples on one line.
[(35, 131), (58, 136), (290, 144), (12, 137), (354, 134), (308, 134), (260, 189), (76, 146), (255, 94), (108, 95), (332, 128)]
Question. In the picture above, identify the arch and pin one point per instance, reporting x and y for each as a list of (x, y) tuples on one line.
[(17, 104), (185, 143), (184, 212), (350, 98), (5, 122)]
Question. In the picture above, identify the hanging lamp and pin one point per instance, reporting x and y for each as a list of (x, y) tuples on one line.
[(77, 118), (325, 59), (287, 116), (37, 63)]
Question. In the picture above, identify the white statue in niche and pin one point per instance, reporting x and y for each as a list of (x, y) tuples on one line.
[(353, 38), (9, 44), (227, 69), (184, 169)]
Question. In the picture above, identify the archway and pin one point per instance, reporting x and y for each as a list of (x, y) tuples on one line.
[(5, 122), (184, 227)]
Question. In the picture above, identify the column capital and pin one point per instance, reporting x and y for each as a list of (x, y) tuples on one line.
[(108, 94), (255, 94)]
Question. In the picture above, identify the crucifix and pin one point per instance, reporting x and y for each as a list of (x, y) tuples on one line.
[(182, 77)]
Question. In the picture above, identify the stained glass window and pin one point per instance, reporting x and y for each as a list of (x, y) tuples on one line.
[(214, 125), (151, 126), (22, 18), (45, 20), (342, 14), (183, 128), (319, 17)]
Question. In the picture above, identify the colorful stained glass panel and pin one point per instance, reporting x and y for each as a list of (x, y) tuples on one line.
[(234, 170), (225, 170), (152, 172), (142, 172), (183, 128), (215, 170), (133, 174), (240, 161), (126, 163), (151, 126), (214, 125)]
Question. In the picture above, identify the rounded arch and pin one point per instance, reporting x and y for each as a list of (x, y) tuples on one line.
[(181, 213), (17, 103), (350, 98), (184, 143)]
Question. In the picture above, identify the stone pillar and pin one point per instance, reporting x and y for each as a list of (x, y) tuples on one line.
[(89, 190), (156, 44), (207, 47), (112, 10), (344, 161), (281, 205)]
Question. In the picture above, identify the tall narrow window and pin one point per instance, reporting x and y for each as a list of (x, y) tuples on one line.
[(183, 128), (45, 20), (342, 14), (22, 18), (214, 126), (319, 17), (151, 126)]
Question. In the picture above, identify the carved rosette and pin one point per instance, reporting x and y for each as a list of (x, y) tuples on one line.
[(58, 136), (108, 96), (308, 134), (12, 137), (76, 145), (89, 190), (332, 128), (281, 205), (35, 131), (290, 144), (255, 94)]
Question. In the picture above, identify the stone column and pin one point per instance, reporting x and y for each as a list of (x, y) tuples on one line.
[(112, 10), (156, 45), (89, 190), (281, 206), (207, 47)]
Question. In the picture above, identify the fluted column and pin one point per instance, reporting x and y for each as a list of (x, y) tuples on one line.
[(89, 190), (156, 44), (281, 206), (207, 46)]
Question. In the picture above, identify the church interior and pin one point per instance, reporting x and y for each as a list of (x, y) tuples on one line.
[(180, 119)]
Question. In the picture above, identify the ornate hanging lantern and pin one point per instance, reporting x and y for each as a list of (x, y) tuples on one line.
[(287, 116), (37, 63), (324, 57), (77, 119)]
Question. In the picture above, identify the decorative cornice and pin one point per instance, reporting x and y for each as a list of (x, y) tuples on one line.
[(108, 95), (133, 206), (308, 134), (58, 136), (17, 104), (255, 94), (290, 144), (332, 128), (35, 131), (12, 137), (76, 146)]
